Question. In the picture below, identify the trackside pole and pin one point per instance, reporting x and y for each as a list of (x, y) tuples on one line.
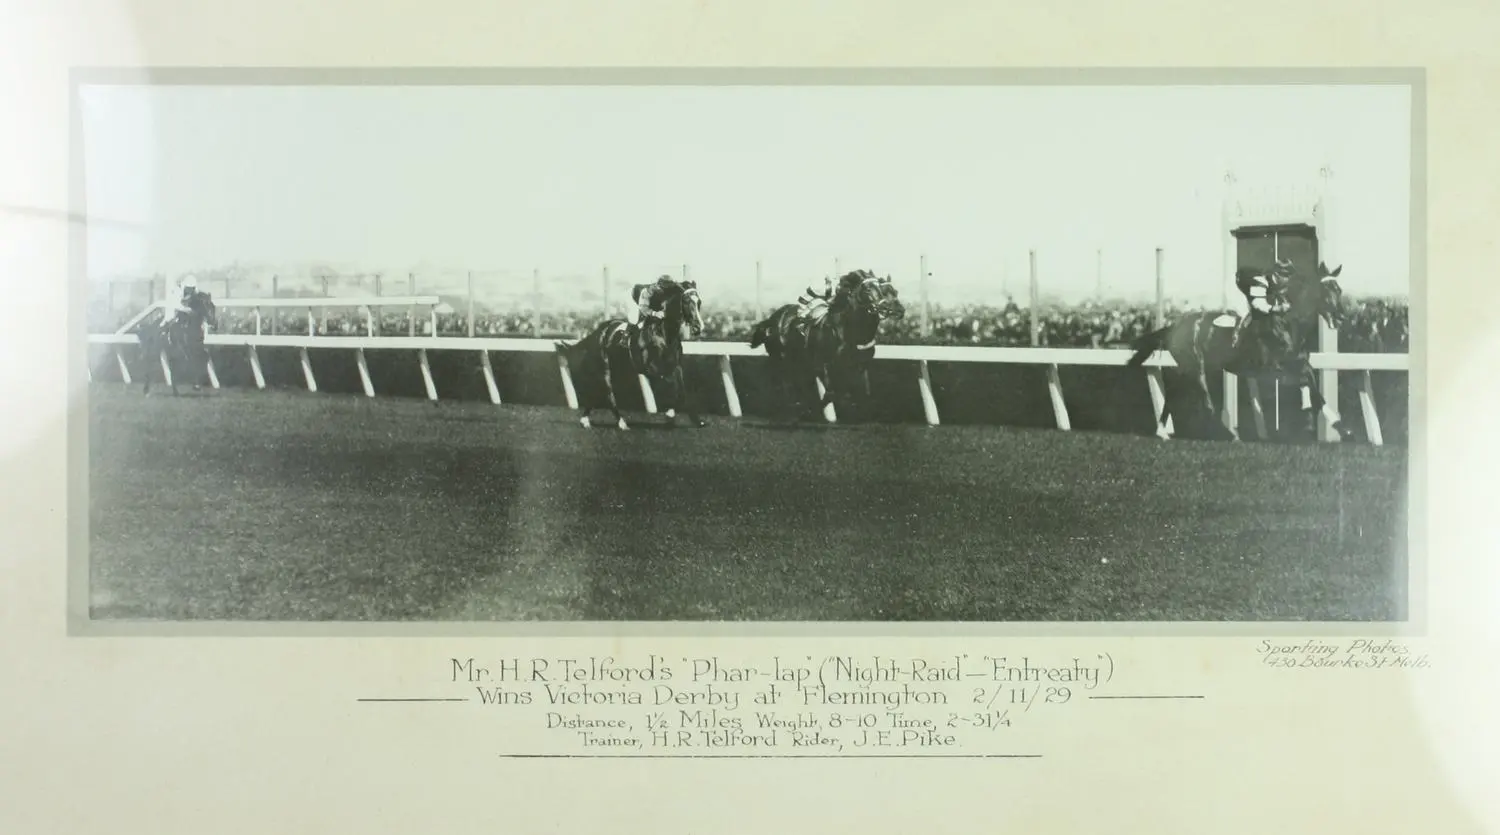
[(567, 380), (924, 385), (1231, 410), (260, 377), (731, 393), (427, 380), (364, 372), (1367, 406), (1158, 403), (489, 377), (307, 371), (1059, 406), (124, 369), (647, 394)]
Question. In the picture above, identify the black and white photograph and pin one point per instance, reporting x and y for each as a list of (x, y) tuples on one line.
[(815, 352)]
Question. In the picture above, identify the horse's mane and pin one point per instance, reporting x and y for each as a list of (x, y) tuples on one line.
[(847, 284)]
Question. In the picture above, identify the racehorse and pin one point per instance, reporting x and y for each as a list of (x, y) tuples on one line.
[(180, 340), (834, 350), (652, 348), (1205, 342), (1313, 298)]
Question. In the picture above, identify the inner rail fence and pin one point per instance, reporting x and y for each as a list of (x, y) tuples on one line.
[(960, 394)]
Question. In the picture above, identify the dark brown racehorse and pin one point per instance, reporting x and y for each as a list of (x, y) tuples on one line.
[(834, 350), (652, 348), (1206, 343), (1313, 298), (179, 338)]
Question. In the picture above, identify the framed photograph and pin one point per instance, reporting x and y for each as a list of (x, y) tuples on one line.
[(448, 418)]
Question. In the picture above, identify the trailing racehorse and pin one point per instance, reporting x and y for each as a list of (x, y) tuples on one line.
[(179, 338), (652, 348), (1211, 342), (833, 349)]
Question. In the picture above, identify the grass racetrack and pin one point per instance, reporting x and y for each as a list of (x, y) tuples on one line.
[(285, 505)]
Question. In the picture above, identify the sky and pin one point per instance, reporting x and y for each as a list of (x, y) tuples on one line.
[(568, 180)]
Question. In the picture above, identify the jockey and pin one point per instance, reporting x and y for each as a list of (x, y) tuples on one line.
[(814, 303), (645, 294), (187, 286), (1265, 295)]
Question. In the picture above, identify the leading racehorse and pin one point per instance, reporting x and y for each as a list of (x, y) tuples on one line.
[(652, 348), (1313, 298), (180, 340), (835, 348), (1206, 342)]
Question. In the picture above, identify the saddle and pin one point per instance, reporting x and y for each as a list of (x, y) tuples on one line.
[(637, 339)]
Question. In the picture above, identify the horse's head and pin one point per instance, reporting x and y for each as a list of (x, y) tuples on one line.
[(1330, 296), (689, 304), (203, 303), (870, 295), (1312, 297), (890, 306)]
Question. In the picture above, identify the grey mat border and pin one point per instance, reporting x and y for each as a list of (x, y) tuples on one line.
[(79, 624)]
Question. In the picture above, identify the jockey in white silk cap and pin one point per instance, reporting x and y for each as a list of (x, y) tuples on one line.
[(177, 306)]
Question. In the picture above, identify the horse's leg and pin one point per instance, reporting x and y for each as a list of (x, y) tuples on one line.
[(671, 381), (825, 376), (684, 399), (1314, 403), (1203, 350), (148, 357), (609, 392), (1205, 405), (791, 404), (584, 394), (171, 370), (200, 367)]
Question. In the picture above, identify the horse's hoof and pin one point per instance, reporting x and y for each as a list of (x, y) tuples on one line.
[(622, 424), (585, 422), (700, 423)]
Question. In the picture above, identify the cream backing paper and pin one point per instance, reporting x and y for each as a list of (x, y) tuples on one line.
[(225, 733)]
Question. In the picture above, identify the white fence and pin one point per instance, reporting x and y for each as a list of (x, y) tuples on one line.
[(1051, 358)]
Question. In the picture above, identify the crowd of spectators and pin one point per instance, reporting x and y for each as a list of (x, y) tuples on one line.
[(1371, 326)]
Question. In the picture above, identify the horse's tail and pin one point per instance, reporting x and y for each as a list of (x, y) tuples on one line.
[(1147, 345), (761, 333)]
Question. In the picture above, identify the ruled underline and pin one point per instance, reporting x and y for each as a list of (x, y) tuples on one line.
[(1145, 697), (1091, 697), (770, 756), (413, 699)]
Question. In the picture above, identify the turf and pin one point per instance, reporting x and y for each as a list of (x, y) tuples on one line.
[(276, 505)]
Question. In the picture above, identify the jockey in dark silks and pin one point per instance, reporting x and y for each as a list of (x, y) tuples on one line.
[(644, 295), (813, 305), (1265, 294)]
